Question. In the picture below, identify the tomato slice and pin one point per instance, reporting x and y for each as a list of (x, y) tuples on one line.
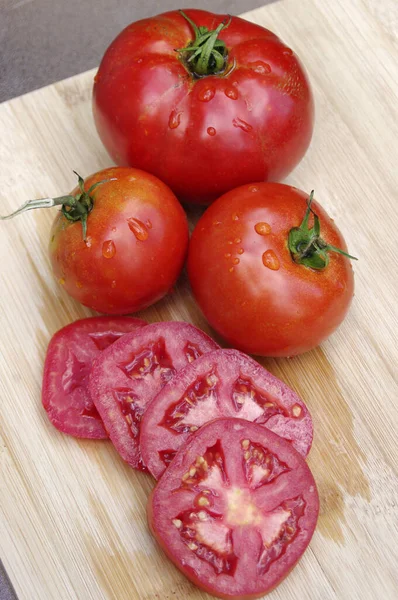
[(69, 357), (223, 383), (127, 376), (235, 509)]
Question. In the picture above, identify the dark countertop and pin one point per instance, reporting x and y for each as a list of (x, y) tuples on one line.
[(43, 41)]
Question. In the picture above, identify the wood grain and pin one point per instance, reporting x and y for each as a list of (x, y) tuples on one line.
[(73, 522)]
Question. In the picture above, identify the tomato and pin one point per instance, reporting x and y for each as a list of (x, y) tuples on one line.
[(127, 376), (240, 110), (223, 383), (267, 274), (70, 353), (135, 246), (235, 509)]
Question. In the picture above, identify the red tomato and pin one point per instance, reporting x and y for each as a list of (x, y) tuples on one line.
[(137, 236), (70, 353), (203, 126), (127, 376), (236, 509), (223, 383), (261, 296)]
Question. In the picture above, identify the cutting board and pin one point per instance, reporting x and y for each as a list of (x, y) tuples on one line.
[(73, 523)]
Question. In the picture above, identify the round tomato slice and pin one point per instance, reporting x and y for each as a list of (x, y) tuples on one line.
[(69, 357), (128, 376), (223, 383), (236, 509)]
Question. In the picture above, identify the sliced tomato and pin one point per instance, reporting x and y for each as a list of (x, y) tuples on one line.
[(126, 377), (235, 509), (223, 383), (69, 357)]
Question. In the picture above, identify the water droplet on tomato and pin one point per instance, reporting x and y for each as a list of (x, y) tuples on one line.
[(231, 93), (270, 260), (211, 131), (262, 228), (61, 281), (207, 94), (235, 217), (113, 229), (216, 223), (148, 224), (230, 242), (260, 67), (113, 284), (79, 284), (88, 241), (227, 255), (237, 240), (108, 249), (236, 261), (174, 119), (288, 52), (242, 125), (138, 228), (253, 188), (231, 269), (240, 251)]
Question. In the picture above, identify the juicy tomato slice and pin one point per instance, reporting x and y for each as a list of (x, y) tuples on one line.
[(236, 509), (69, 357), (223, 383), (128, 376)]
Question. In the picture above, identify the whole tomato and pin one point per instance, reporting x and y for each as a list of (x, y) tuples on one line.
[(205, 102), (134, 245), (269, 270)]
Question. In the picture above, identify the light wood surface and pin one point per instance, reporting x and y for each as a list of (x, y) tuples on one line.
[(73, 522)]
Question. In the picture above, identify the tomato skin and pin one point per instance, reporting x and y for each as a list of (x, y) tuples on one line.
[(282, 312), (255, 123), (115, 271)]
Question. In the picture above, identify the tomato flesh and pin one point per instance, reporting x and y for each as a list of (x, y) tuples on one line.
[(223, 383), (67, 367), (127, 376), (236, 509)]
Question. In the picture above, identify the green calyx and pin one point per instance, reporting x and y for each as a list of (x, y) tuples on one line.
[(74, 208), (306, 245), (206, 54), (77, 208)]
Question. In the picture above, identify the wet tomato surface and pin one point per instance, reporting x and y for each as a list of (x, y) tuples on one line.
[(240, 110), (69, 357), (223, 383), (236, 509), (127, 376), (135, 246), (264, 291)]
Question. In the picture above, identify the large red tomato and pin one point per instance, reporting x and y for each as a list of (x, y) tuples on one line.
[(267, 273), (203, 101), (134, 249)]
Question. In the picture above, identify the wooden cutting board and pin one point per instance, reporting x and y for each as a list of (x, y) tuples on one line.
[(73, 522)]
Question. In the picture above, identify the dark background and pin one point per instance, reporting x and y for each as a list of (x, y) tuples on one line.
[(42, 41)]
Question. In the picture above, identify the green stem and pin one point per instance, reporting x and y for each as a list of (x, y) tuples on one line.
[(206, 54), (306, 245), (74, 208)]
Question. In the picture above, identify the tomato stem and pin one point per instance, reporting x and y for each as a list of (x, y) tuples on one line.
[(74, 208), (306, 245), (206, 54)]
